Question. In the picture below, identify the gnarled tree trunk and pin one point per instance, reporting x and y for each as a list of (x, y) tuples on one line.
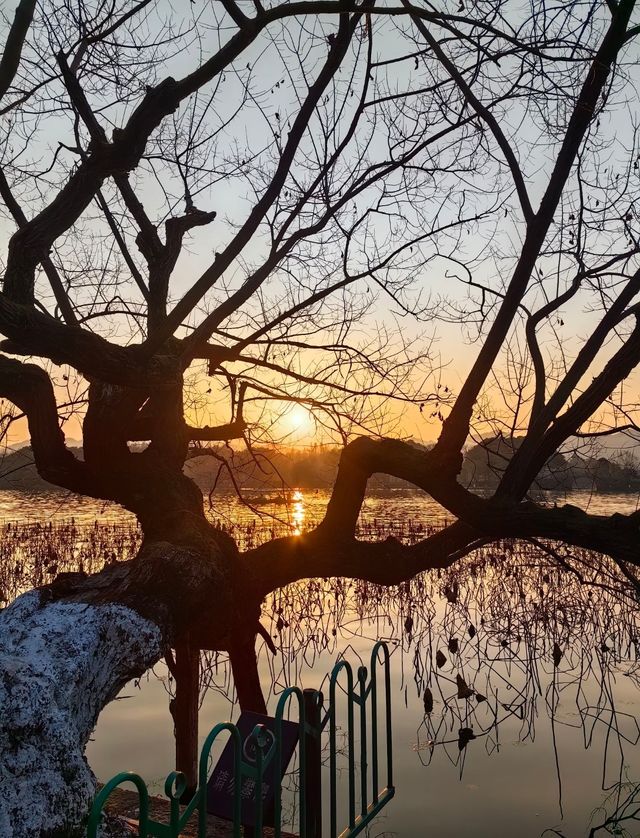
[(69, 648), (62, 662)]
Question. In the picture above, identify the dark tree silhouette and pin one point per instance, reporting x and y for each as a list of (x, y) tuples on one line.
[(330, 149)]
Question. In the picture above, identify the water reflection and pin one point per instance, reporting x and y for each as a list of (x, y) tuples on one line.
[(516, 683), (298, 512), (522, 678)]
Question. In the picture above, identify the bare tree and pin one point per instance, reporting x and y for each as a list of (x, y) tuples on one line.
[(345, 158)]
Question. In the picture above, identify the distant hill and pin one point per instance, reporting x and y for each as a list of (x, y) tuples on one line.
[(270, 469), (263, 469), (581, 466), (18, 472), (609, 446), (273, 468)]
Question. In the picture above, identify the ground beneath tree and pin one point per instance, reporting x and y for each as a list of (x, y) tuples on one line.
[(123, 805)]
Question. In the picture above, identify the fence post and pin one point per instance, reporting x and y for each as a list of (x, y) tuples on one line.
[(313, 766), (184, 710)]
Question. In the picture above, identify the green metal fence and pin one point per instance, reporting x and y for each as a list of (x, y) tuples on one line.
[(363, 695)]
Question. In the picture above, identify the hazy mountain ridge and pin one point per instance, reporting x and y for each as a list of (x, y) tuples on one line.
[(316, 467), (581, 465)]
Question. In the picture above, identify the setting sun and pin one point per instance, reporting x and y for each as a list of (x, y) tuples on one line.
[(298, 419)]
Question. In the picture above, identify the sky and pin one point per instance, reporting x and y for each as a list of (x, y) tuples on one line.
[(272, 73)]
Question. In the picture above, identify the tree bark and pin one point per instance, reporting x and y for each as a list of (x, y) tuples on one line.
[(244, 666), (69, 648), (62, 662), (184, 709)]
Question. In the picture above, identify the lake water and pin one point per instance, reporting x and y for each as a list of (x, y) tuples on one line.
[(556, 740)]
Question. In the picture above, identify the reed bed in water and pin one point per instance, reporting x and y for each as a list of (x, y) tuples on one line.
[(507, 638), (514, 597), (514, 630), (511, 595), (32, 553)]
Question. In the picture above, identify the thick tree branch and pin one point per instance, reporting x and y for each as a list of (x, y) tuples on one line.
[(311, 555), (161, 264), (218, 433), (10, 60), (223, 433), (29, 388), (235, 13), (55, 280), (332, 550), (32, 333)]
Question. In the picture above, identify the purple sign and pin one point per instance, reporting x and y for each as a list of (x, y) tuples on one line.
[(220, 789)]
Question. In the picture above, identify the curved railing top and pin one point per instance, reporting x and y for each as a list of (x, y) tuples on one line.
[(267, 748)]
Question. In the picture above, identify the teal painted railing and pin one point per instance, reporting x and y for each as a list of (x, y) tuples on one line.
[(249, 776), (359, 695)]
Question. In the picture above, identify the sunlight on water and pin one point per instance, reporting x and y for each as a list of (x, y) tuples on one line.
[(298, 512)]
